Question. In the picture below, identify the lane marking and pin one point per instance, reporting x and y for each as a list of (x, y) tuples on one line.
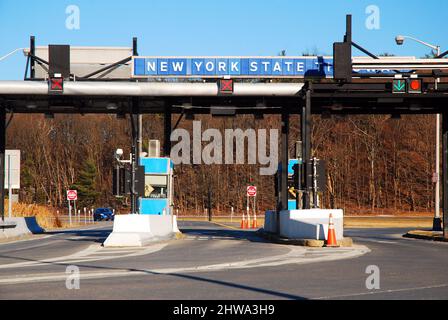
[(89, 254), (225, 226), (381, 292), (295, 256)]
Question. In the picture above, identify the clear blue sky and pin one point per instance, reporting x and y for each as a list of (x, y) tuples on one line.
[(211, 27)]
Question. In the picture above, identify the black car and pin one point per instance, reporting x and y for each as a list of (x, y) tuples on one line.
[(103, 214)]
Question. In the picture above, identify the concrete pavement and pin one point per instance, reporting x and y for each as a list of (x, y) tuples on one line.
[(213, 262)]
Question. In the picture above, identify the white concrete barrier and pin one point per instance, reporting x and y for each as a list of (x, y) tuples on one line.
[(24, 226), (306, 224), (136, 230)]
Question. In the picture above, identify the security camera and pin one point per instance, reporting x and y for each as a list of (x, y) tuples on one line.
[(399, 40), (118, 154)]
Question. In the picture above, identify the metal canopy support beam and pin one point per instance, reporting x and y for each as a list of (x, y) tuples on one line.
[(2, 160), (135, 156), (167, 131), (445, 173), (283, 192), (32, 55), (306, 148)]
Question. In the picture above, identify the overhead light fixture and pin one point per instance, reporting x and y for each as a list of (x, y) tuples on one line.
[(111, 106)]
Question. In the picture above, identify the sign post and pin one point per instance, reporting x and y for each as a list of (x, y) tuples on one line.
[(251, 193), (72, 195)]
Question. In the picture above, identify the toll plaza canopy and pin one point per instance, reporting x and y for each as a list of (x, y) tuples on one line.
[(226, 86)]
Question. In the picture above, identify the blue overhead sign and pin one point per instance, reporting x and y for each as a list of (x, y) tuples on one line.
[(259, 67)]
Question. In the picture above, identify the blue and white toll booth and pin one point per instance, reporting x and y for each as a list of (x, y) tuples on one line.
[(158, 198)]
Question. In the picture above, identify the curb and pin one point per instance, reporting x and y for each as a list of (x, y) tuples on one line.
[(311, 243), (426, 235)]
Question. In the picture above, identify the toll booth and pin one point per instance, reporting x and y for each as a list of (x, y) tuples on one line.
[(158, 196), (293, 193), (296, 182)]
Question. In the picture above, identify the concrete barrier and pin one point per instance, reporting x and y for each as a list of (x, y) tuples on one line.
[(136, 230), (175, 227), (270, 222), (305, 224), (24, 226)]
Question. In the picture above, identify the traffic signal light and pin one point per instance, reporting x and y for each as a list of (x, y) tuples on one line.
[(56, 85), (226, 86), (411, 85), (399, 86), (415, 85)]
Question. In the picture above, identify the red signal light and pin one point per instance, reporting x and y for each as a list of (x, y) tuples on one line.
[(226, 86), (415, 86), (56, 85)]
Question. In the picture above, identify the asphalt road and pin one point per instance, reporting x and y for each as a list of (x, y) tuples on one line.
[(214, 262)]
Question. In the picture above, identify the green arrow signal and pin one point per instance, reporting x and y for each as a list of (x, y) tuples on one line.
[(399, 86)]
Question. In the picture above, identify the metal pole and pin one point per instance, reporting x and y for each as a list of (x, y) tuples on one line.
[(9, 188), (445, 173), (33, 54), (2, 160), (70, 212), (437, 224), (134, 153), (306, 150), (285, 164), (167, 131)]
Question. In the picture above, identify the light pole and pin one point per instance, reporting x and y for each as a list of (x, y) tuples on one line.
[(437, 223)]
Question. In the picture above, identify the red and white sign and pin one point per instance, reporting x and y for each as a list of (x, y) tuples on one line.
[(72, 195), (251, 191)]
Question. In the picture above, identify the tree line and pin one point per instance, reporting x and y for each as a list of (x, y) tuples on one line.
[(374, 162)]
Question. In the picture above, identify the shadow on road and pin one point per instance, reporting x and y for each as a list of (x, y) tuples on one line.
[(228, 234)]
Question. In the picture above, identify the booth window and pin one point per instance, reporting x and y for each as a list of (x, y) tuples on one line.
[(156, 187)]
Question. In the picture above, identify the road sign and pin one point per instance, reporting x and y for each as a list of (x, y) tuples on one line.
[(72, 195), (251, 191), (260, 67), (12, 157), (399, 86)]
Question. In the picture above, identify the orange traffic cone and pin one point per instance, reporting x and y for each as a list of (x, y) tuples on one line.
[(248, 221), (255, 223), (243, 222), (331, 239)]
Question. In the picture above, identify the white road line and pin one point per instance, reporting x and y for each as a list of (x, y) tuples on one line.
[(381, 292), (378, 241), (86, 255), (295, 256)]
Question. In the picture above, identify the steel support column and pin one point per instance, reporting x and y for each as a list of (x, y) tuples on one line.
[(445, 173), (135, 156), (2, 160), (167, 131), (306, 149), (33, 54), (284, 154)]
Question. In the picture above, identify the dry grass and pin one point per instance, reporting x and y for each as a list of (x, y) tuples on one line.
[(46, 216)]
